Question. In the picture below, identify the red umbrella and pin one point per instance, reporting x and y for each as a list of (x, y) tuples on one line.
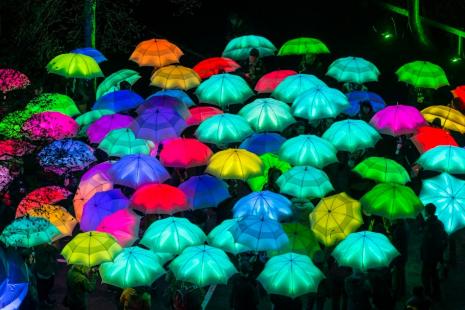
[(41, 196), (459, 92), (159, 199), (184, 153), (199, 114), (11, 148), (215, 65), (268, 82), (428, 137)]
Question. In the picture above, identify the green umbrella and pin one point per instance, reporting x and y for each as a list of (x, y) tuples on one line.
[(239, 48), (422, 74), (444, 158), (308, 150), (303, 46), (132, 267), (304, 182), (112, 82), (222, 238), (172, 235), (353, 69), (269, 160), (223, 129), (382, 170), (86, 119), (301, 240), (291, 275), (53, 102), (267, 114), (73, 65), (392, 201), (120, 142), (294, 85), (11, 124), (28, 232), (351, 135)]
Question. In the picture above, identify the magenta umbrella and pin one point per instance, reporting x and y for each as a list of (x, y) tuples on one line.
[(5, 177), (398, 120), (123, 225), (99, 129), (50, 126)]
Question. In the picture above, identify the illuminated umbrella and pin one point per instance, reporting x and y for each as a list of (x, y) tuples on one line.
[(159, 199), (137, 170), (86, 119), (308, 150), (156, 53), (54, 102), (224, 90), (100, 169), (57, 216), (335, 217), (353, 69), (221, 237), (121, 142), (365, 250), (91, 52), (235, 164), (14, 284), (351, 135), (268, 82), (292, 86), (357, 97), (199, 114), (87, 189), (239, 48), (132, 267), (448, 195), (291, 275), (397, 120), (91, 249), (172, 235), (5, 177), (269, 161), (382, 170), (392, 201), (179, 94), (14, 148), (303, 46), (427, 138), (11, 123), (223, 129), (444, 158), (215, 65), (304, 182), (73, 65), (268, 204), (11, 79), (41, 196), (157, 103), (123, 225), (422, 74), (112, 82), (205, 191), (118, 101), (261, 143), (175, 76), (28, 232), (450, 119), (459, 92), (267, 114), (101, 127), (158, 124), (301, 240), (184, 153), (50, 126)]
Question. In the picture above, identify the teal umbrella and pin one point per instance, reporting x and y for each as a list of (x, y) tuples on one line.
[(223, 129), (239, 48), (351, 135), (308, 150), (222, 238), (267, 114), (292, 86), (112, 82), (444, 158), (121, 142), (353, 69), (304, 182), (28, 232)]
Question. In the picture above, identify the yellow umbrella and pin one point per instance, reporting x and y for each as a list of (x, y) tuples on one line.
[(156, 53), (235, 164), (56, 215), (175, 77), (335, 217), (450, 119), (73, 65)]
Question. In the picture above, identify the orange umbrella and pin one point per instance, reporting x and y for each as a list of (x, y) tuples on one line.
[(156, 53), (175, 77)]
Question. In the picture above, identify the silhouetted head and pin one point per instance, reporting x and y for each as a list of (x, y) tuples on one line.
[(254, 52), (436, 122), (430, 209)]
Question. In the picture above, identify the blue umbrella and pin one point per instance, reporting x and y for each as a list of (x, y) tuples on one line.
[(91, 52), (177, 93), (264, 204), (357, 97), (14, 287), (158, 124), (261, 143), (205, 191), (165, 102), (138, 169), (118, 101)]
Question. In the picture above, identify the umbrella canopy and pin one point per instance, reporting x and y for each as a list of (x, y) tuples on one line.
[(29, 232), (383, 170), (292, 86), (50, 126), (57, 216), (353, 69), (301, 240), (304, 182), (450, 118), (351, 135), (41, 196), (268, 82), (267, 204), (179, 94), (356, 98), (159, 199), (291, 275), (261, 143), (118, 101), (303, 46), (427, 138), (91, 249), (365, 250), (224, 90), (11, 79), (11, 123), (98, 169), (54, 102), (392, 201), (335, 217), (87, 189), (444, 158), (137, 170), (5, 177), (398, 120), (205, 191), (158, 124), (269, 161), (221, 237), (308, 150), (223, 129), (199, 114), (235, 164), (123, 225), (156, 53), (166, 102), (184, 153), (14, 148), (132, 267), (121, 142), (175, 76), (86, 119), (239, 47), (91, 52), (267, 114), (422, 74), (72, 65), (459, 92), (101, 127), (172, 235), (215, 65)]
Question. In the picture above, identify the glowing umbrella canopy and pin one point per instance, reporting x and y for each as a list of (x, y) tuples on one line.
[(303, 46), (41, 196), (175, 76), (100, 169), (239, 47), (185, 153), (205, 191), (5, 177), (156, 53), (86, 119), (422, 74), (308, 150), (73, 65), (444, 158), (101, 127), (235, 164), (292, 86), (365, 250), (199, 114), (123, 225), (223, 129), (215, 65), (353, 69), (14, 148), (269, 161), (221, 237), (57, 216), (304, 182), (91, 52), (113, 82), (29, 232), (164, 103), (398, 120), (351, 135), (118, 101), (121, 142), (450, 118), (301, 240), (159, 199), (53, 102), (356, 98), (267, 114), (179, 94), (11, 79), (267, 204), (427, 138), (261, 143), (11, 123), (383, 170), (268, 82), (50, 126), (87, 189)]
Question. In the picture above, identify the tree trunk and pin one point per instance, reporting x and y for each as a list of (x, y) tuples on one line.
[(89, 22), (415, 23)]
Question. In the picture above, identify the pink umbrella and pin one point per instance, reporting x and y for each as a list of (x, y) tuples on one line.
[(184, 153), (199, 114), (11, 79), (99, 129), (5, 177), (50, 126), (398, 120), (123, 225), (268, 82)]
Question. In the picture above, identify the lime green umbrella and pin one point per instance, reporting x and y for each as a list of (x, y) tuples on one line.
[(53, 102), (28, 232), (267, 114), (422, 74), (223, 129), (392, 201), (294, 85), (301, 240), (291, 275), (120, 142), (86, 119), (382, 170), (308, 150), (353, 69), (222, 238), (444, 158), (351, 135), (112, 82), (73, 65), (239, 48), (132, 267), (303, 46), (304, 182), (269, 160), (11, 124)]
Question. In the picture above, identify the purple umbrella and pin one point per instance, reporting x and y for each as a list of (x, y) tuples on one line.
[(101, 169), (99, 129), (165, 102), (5, 177)]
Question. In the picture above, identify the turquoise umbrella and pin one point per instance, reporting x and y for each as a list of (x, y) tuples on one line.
[(28, 232), (121, 142), (267, 114), (292, 86), (353, 69), (444, 158), (222, 238), (304, 182), (112, 82), (351, 135), (308, 150), (239, 48), (223, 129)]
